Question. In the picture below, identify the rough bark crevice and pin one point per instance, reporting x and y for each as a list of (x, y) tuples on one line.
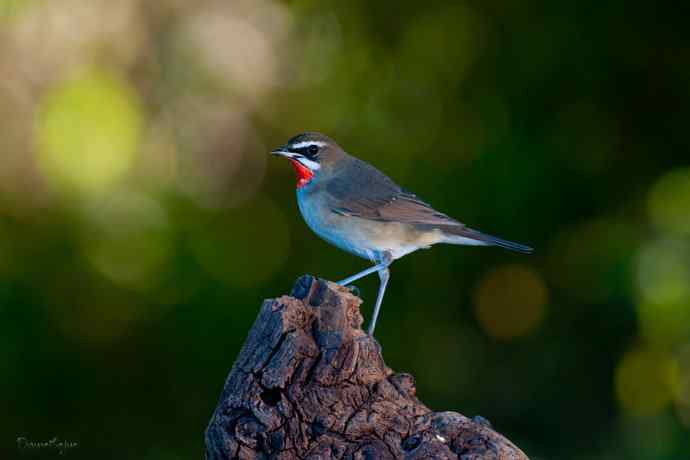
[(310, 384)]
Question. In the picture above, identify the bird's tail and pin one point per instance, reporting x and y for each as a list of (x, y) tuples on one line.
[(467, 236)]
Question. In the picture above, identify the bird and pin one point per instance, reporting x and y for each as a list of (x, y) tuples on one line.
[(357, 208)]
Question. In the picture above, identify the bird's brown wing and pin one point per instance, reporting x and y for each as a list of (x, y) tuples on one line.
[(363, 191)]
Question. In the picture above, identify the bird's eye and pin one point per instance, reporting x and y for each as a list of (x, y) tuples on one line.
[(313, 150)]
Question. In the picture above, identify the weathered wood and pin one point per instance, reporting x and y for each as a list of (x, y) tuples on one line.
[(310, 384)]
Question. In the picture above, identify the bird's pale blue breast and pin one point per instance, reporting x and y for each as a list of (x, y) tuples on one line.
[(321, 219)]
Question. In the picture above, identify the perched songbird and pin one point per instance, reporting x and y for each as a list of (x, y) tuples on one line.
[(357, 208)]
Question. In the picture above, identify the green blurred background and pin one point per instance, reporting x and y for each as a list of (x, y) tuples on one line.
[(142, 220)]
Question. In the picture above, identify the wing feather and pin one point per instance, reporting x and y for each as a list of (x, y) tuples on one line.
[(363, 191)]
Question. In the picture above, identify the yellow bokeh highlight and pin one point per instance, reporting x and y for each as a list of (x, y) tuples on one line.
[(88, 131), (510, 301), (663, 287), (665, 324), (664, 272), (9, 8), (646, 382), (668, 203), (128, 239)]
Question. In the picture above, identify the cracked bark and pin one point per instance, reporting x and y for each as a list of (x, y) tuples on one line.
[(310, 384)]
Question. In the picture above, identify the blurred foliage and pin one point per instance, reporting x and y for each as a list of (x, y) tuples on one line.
[(142, 223)]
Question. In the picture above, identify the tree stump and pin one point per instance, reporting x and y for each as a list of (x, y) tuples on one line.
[(310, 384)]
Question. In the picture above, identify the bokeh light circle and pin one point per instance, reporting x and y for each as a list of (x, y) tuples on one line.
[(87, 131), (646, 381), (668, 203), (128, 238), (510, 301), (663, 272)]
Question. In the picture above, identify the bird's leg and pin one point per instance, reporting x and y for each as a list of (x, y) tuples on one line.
[(363, 273), (384, 275)]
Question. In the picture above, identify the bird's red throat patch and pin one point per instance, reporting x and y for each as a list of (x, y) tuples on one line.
[(303, 173)]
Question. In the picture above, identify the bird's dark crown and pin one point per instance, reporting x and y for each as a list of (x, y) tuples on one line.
[(310, 136)]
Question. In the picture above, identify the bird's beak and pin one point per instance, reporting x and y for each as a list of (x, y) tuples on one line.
[(283, 152), (305, 168)]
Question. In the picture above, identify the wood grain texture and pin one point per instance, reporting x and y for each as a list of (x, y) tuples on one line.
[(310, 384)]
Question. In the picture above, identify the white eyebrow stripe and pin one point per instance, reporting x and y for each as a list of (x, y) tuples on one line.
[(313, 165), (299, 145)]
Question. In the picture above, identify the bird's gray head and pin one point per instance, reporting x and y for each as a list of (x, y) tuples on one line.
[(311, 154)]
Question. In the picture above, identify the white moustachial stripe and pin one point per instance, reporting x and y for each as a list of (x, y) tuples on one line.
[(313, 165)]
